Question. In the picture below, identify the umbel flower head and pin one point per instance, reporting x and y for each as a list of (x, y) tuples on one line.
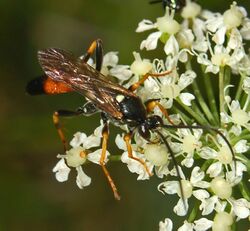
[(209, 89)]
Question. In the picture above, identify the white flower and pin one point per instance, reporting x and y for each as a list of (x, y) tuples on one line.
[(78, 155), (239, 116), (159, 161), (224, 158), (110, 67), (240, 207), (172, 87), (165, 25), (190, 142), (230, 20), (173, 187)]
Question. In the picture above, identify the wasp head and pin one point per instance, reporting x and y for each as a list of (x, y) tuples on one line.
[(151, 123)]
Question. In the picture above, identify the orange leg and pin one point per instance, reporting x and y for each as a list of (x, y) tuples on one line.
[(105, 135), (56, 121), (144, 77), (127, 139), (154, 103), (59, 130)]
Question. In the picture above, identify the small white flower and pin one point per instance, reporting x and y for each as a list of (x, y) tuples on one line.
[(111, 67), (165, 25), (78, 155), (241, 207), (172, 87), (173, 187), (239, 117)]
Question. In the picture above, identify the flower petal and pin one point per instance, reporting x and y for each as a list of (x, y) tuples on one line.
[(135, 166), (144, 25), (167, 225), (186, 98), (61, 170), (186, 227), (96, 156), (78, 139), (110, 59), (180, 209), (169, 187), (151, 41), (214, 169), (241, 146), (82, 180), (202, 224), (171, 46), (241, 208)]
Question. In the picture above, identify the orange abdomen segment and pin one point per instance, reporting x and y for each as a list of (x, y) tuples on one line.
[(53, 87), (45, 85)]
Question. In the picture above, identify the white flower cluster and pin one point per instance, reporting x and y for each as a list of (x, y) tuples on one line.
[(204, 52)]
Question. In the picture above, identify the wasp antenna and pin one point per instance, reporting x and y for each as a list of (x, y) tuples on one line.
[(175, 165), (209, 129)]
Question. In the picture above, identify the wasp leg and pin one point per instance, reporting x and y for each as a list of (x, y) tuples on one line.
[(105, 135), (151, 104), (98, 48), (127, 139), (87, 109), (144, 78)]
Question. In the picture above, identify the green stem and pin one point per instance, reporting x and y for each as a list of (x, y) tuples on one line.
[(194, 212), (241, 137), (221, 88), (210, 95), (239, 88), (227, 78), (197, 117), (183, 115), (203, 104), (244, 190), (115, 157)]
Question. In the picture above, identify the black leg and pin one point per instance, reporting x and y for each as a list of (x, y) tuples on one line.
[(98, 48)]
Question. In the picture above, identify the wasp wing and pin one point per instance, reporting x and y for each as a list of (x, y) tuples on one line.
[(62, 66)]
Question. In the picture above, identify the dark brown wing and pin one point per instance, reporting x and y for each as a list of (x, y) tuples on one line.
[(62, 66)]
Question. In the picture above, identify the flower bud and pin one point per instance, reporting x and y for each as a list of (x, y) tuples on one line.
[(139, 66), (191, 10), (221, 188), (233, 17), (222, 222), (168, 25), (156, 154)]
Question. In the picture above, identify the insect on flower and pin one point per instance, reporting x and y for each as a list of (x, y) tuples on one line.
[(66, 73), (172, 4)]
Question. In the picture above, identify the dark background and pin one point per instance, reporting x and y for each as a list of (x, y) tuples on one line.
[(30, 197)]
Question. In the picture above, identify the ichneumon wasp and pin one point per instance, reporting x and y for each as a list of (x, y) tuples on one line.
[(66, 73)]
